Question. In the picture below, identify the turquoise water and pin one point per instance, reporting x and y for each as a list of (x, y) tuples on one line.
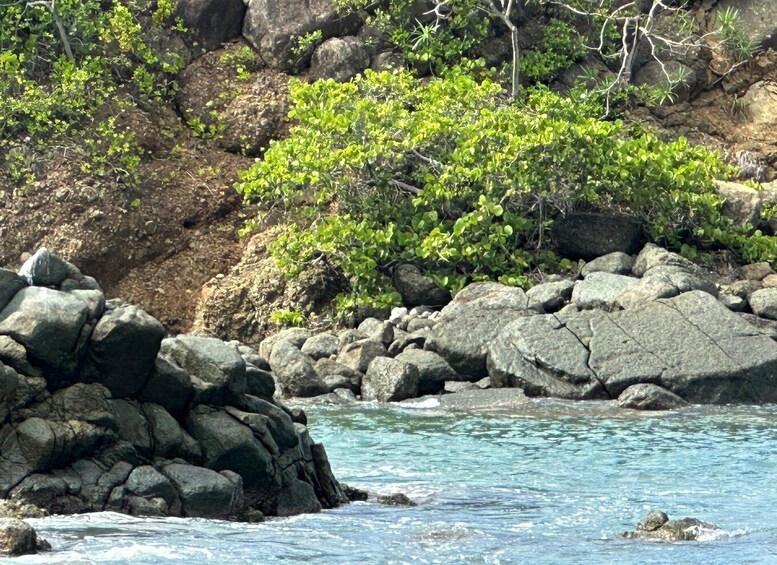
[(557, 484)]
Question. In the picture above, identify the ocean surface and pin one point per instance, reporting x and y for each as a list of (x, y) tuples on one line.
[(554, 484)]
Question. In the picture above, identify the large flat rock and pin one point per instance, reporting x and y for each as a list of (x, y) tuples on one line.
[(691, 345)]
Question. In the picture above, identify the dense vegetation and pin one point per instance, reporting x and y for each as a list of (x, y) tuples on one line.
[(450, 175), (68, 70)]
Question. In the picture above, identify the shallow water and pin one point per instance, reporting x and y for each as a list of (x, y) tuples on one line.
[(556, 484)]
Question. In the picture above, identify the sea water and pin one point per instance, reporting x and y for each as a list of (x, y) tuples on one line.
[(555, 483)]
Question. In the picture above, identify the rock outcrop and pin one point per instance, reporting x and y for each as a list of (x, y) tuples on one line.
[(99, 412)]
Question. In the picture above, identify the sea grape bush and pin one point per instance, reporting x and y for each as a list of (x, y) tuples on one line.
[(451, 175)]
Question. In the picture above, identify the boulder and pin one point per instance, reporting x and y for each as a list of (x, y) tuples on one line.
[(259, 383), (19, 538), (654, 74), (215, 368), (390, 380), (617, 263), (213, 21), (657, 526), (122, 350), (274, 27), (46, 269), (549, 297), (295, 336), (432, 369), (294, 372), (48, 324), (203, 492), (600, 290), (358, 355), (471, 321), (10, 284), (646, 396), (336, 375), (764, 303), (9, 383), (147, 482), (321, 345), (417, 289), (340, 59), (690, 344), (169, 386), (647, 289), (742, 204), (170, 439), (584, 235), (654, 256), (755, 271), (377, 330), (133, 426)]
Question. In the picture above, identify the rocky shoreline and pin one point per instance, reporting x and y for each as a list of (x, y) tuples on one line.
[(99, 411), (654, 331)]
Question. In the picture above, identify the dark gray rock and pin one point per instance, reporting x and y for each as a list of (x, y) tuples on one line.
[(358, 355), (213, 21), (549, 297), (147, 482), (390, 380), (396, 499), (406, 340), (295, 374), (48, 324), (10, 284), (259, 383), (417, 289), (203, 492), (46, 269), (657, 526), (617, 263), (133, 426), (274, 26), (123, 349), (599, 290), (654, 74), (170, 439), (377, 330), (9, 383), (764, 303), (19, 538), (340, 59), (82, 402), (94, 300), (646, 396), (433, 370), (279, 423), (336, 375), (321, 345), (215, 368), (169, 386), (471, 321), (584, 235)]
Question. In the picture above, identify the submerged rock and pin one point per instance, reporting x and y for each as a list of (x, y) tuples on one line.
[(657, 526), (646, 396), (396, 499)]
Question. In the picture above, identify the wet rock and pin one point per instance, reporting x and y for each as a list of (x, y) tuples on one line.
[(396, 499), (203, 492), (390, 380), (417, 289), (657, 526), (355, 494), (294, 372), (646, 396), (587, 236), (433, 370), (19, 538)]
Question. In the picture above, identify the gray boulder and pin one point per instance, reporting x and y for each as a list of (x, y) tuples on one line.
[(295, 336), (274, 26), (741, 203), (358, 355), (133, 426), (584, 235), (294, 372), (48, 324), (213, 21), (390, 380), (10, 284), (147, 482), (259, 383), (433, 370), (215, 368), (340, 59), (378, 330), (123, 349), (755, 271), (764, 303), (549, 297), (646, 396), (170, 439), (336, 375), (600, 290), (617, 263), (471, 321), (19, 538), (657, 526), (417, 289), (46, 269), (321, 345), (169, 386), (653, 256), (203, 492)]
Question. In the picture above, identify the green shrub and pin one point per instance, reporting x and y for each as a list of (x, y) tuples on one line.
[(445, 174)]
